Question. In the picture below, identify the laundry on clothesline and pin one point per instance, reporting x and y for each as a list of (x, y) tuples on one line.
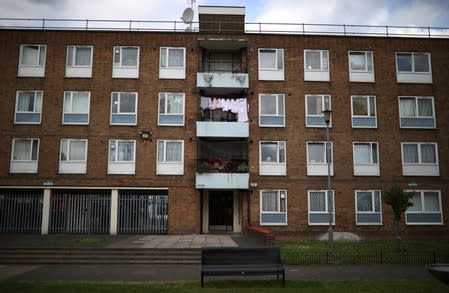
[(238, 106)]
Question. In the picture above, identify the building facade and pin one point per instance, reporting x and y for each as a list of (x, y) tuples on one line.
[(214, 129)]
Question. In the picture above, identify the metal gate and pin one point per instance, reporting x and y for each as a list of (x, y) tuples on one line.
[(143, 212), (79, 212), (21, 211)]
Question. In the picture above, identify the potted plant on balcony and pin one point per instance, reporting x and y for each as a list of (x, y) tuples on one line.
[(203, 167)]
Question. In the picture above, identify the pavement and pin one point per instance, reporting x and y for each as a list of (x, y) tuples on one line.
[(150, 273)]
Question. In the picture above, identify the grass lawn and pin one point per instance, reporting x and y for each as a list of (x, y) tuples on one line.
[(234, 286)]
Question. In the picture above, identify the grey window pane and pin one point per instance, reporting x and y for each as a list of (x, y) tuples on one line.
[(268, 59), (428, 153), (269, 152), (163, 57), (357, 61), (127, 103), (360, 106), (70, 55), (112, 150), (129, 56), (407, 107), (404, 62), (80, 102), (173, 151), (22, 149), (268, 105), (314, 105), (425, 107), (316, 152), (280, 59), (317, 201), (431, 202), (125, 151), (161, 151), (410, 153), (176, 57), (416, 201), (377, 201), (421, 62), (270, 201), (364, 201), (362, 153), (162, 103), (313, 60), (83, 56), (64, 149), (30, 55), (77, 150)]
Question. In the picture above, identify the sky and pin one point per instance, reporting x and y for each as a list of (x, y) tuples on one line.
[(433, 13)]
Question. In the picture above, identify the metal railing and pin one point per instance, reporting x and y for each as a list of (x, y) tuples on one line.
[(21, 212), (250, 27)]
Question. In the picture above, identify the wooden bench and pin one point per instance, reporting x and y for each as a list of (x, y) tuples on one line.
[(267, 235), (237, 261)]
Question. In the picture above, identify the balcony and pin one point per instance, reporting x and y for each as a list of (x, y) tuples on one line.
[(222, 80)]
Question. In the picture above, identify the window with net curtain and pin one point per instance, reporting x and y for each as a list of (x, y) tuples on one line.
[(273, 152), (121, 150), (316, 152), (172, 57), (274, 201), (25, 149), (419, 153), (318, 201), (425, 201), (29, 101), (171, 108), (32, 55), (368, 201), (79, 56), (73, 150), (416, 107), (361, 61), (271, 59), (169, 151), (316, 60), (365, 153)]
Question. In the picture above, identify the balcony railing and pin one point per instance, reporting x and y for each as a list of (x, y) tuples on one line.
[(250, 27), (219, 165), (223, 66)]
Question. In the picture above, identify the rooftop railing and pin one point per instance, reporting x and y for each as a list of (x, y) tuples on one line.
[(250, 27)]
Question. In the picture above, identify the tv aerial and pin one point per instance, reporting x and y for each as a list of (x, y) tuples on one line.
[(188, 14)]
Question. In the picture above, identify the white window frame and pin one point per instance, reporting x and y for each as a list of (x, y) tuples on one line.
[(370, 168), (29, 165), (116, 166), (324, 106), (419, 168), (70, 95), (409, 212), (67, 166), (373, 205), (272, 73), (165, 167), (413, 76), (119, 112), (74, 70), (37, 106), (124, 71), (417, 116), (280, 111), (371, 107), (171, 72), (325, 212), (320, 168), (277, 166), (36, 69), (281, 195), (320, 74), (362, 75), (160, 115)]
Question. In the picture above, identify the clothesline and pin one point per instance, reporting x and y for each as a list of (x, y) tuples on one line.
[(238, 106)]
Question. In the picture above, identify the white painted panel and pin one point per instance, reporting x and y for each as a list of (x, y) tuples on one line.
[(361, 76), (273, 169), (121, 168), (366, 170), (418, 170), (72, 167), (32, 71), (316, 75), (172, 73), (318, 169), (120, 72), (23, 167), (271, 74), (170, 169), (414, 77), (78, 72)]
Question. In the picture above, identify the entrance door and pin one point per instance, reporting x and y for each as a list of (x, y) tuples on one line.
[(220, 210)]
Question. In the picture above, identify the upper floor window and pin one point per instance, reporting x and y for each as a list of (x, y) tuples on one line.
[(417, 112), (172, 62), (366, 159), (413, 67), (420, 159), (363, 109), (361, 67), (317, 158), (271, 110), (273, 207), (171, 109), (24, 155), (73, 158), (79, 61), (124, 108), (121, 156), (315, 105), (76, 107), (368, 207), (170, 157), (272, 158), (28, 107), (426, 209), (32, 60), (126, 62), (321, 202), (271, 64), (316, 65)]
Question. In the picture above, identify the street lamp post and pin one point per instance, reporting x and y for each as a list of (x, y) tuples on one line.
[(327, 118)]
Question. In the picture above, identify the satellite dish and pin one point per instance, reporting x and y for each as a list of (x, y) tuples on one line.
[(187, 15)]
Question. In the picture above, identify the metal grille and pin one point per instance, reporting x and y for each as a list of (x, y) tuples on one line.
[(21, 211), (80, 212), (143, 212)]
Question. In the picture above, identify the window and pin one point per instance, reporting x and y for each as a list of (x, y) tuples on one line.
[(319, 207), (315, 105), (316, 65), (170, 157), (271, 64), (272, 158), (273, 207), (32, 60), (413, 67), (417, 112), (271, 110), (366, 159), (420, 158), (28, 107), (124, 108), (363, 112), (76, 107), (361, 68), (24, 155), (426, 209), (172, 62), (171, 109), (79, 61), (73, 156), (368, 207), (317, 158), (121, 156), (126, 62)]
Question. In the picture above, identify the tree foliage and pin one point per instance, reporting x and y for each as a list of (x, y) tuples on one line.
[(399, 201)]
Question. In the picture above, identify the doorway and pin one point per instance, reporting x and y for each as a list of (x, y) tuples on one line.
[(221, 211)]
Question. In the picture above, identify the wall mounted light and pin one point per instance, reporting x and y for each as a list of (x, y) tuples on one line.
[(145, 134)]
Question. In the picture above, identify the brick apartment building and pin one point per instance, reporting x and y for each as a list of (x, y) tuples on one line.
[(214, 129)]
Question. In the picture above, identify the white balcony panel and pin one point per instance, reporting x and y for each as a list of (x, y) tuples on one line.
[(318, 169), (78, 71), (121, 168), (420, 170), (172, 73), (316, 76), (271, 74), (366, 170), (222, 180), (23, 167), (273, 169), (72, 167), (222, 80), (170, 168), (124, 72), (414, 77), (361, 76), (222, 129), (31, 71)]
